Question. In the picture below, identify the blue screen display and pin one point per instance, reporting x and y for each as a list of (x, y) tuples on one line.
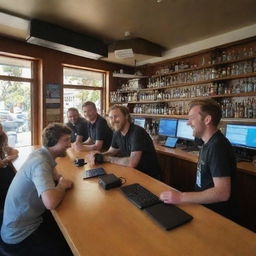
[(140, 122), (241, 135), (184, 131), (167, 127)]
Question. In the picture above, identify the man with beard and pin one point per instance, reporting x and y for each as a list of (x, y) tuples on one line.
[(216, 169), (77, 124), (28, 229), (131, 143), (100, 135)]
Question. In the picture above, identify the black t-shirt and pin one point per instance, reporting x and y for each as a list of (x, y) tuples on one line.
[(79, 128), (137, 139), (217, 159), (99, 130)]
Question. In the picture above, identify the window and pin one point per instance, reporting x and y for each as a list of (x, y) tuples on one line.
[(15, 99), (81, 85)]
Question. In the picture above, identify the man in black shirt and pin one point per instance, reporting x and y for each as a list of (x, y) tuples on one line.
[(216, 169), (100, 135), (131, 143), (76, 123)]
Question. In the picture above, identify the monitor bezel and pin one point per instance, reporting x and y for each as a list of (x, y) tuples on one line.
[(168, 135), (138, 118), (236, 144), (183, 138)]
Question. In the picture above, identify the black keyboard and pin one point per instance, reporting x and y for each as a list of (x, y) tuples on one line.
[(93, 173), (140, 196)]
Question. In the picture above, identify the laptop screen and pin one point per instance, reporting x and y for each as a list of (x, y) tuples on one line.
[(171, 142)]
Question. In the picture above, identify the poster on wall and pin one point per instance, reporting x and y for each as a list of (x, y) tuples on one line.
[(52, 102)]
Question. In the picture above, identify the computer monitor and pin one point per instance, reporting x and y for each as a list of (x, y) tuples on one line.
[(140, 122), (184, 131), (167, 127), (241, 135)]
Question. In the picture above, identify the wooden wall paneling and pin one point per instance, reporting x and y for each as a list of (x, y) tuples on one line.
[(51, 68), (184, 175), (177, 173), (247, 199)]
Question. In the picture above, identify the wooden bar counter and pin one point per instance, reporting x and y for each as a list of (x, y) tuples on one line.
[(95, 221), (179, 171)]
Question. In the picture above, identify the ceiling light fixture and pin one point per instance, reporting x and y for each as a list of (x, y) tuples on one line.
[(127, 48)]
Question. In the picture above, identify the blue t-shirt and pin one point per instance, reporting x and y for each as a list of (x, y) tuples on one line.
[(23, 205)]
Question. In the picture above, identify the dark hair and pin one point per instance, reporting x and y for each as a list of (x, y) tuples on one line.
[(53, 132), (73, 109), (3, 143), (123, 109), (208, 107), (89, 103)]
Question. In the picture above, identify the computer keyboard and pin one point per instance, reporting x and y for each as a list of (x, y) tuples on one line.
[(140, 196), (93, 173)]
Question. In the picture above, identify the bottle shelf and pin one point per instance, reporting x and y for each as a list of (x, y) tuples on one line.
[(228, 95), (205, 66), (200, 82), (206, 74), (128, 76)]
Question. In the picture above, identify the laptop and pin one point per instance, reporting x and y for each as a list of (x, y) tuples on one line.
[(170, 142), (168, 216)]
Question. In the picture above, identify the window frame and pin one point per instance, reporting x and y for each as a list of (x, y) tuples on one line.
[(103, 89), (36, 102)]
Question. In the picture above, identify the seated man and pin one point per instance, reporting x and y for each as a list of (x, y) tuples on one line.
[(132, 143), (216, 169), (77, 123), (31, 192), (100, 135)]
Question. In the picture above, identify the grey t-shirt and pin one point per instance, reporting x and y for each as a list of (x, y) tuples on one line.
[(23, 205)]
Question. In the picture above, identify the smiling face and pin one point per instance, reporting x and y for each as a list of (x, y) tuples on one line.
[(196, 121), (117, 119), (90, 113), (72, 116)]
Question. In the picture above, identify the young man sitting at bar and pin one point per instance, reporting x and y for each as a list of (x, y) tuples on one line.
[(100, 135), (216, 169), (28, 229), (131, 143), (77, 123)]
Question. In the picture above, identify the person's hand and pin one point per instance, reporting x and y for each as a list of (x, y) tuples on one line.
[(171, 197), (11, 158), (64, 183), (77, 146), (91, 159)]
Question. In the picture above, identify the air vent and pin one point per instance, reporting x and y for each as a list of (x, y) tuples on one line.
[(61, 39)]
